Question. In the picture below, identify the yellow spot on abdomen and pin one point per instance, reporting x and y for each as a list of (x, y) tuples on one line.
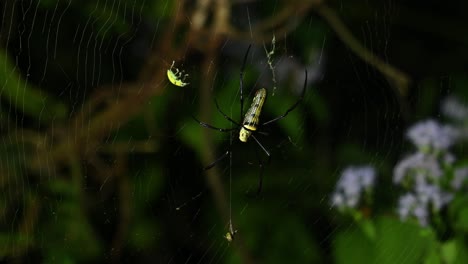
[(252, 116)]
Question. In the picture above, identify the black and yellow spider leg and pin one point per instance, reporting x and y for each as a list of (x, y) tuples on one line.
[(213, 127), (261, 164), (242, 84), (292, 107)]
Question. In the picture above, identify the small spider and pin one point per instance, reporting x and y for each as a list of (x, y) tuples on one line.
[(178, 77)]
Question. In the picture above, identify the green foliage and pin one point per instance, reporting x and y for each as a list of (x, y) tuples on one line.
[(276, 106), (65, 232), (396, 242), (317, 106), (161, 9), (108, 18), (26, 98), (458, 213), (270, 241), (148, 185), (427, 98)]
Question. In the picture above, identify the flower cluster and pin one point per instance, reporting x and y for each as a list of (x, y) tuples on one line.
[(354, 181), (424, 174), (431, 136), (431, 176), (455, 110), (421, 172)]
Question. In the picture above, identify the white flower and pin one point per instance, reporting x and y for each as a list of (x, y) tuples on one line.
[(454, 109), (409, 205), (421, 213), (460, 178), (337, 200), (418, 165), (431, 135), (353, 181), (405, 205), (432, 194), (449, 158), (425, 196)]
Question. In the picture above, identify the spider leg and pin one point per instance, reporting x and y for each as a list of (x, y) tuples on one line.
[(211, 165), (260, 144), (241, 75), (213, 127), (292, 107), (262, 165), (230, 119), (225, 116), (260, 177)]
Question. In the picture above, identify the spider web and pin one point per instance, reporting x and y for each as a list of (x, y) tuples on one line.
[(100, 159)]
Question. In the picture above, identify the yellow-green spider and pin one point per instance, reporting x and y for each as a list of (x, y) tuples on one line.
[(177, 77)]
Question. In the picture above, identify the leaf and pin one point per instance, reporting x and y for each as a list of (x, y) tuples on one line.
[(24, 96), (395, 242), (270, 241), (352, 246), (458, 213), (400, 242)]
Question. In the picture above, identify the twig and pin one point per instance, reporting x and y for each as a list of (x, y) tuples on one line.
[(400, 79)]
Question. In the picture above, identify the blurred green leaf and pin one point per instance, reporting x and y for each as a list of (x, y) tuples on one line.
[(433, 256), (65, 232), (190, 134), (458, 213), (352, 246), (147, 185), (456, 252), (317, 106), (107, 17), (48, 3), (160, 9), (399, 242), (143, 234), (292, 124), (273, 241), (449, 251), (396, 242), (25, 97)]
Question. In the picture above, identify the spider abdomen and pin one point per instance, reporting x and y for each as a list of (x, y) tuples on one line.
[(252, 116)]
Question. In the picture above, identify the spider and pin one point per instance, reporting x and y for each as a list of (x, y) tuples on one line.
[(251, 121), (177, 77)]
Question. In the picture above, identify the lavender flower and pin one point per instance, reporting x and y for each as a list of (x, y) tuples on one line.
[(409, 205), (454, 109), (431, 135), (418, 165), (432, 194), (422, 172), (417, 204), (353, 181), (448, 158), (460, 178)]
